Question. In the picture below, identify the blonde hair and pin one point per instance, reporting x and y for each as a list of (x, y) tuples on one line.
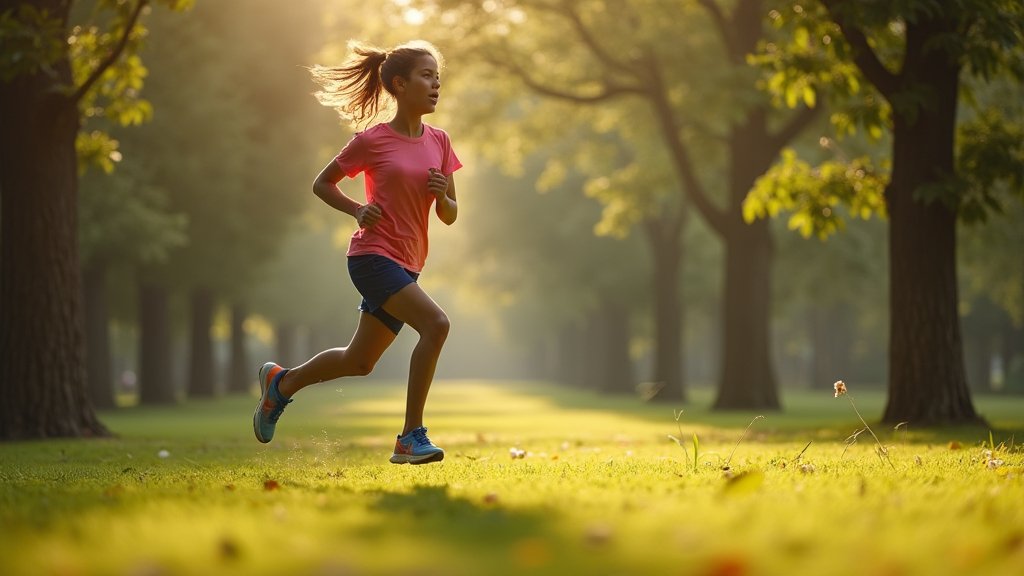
[(356, 88)]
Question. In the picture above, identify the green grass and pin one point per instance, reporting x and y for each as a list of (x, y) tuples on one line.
[(602, 490)]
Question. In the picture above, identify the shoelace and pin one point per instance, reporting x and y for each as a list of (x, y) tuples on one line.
[(420, 436), (275, 414)]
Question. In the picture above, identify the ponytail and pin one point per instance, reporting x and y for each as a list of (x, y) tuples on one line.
[(355, 89)]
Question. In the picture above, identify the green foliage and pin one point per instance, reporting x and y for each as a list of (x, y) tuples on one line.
[(814, 195), (126, 220), (33, 41), (990, 160), (116, 95), (233, 149), (989, 264), (994, 38), (96, 148), (115, 98), (805, 56), (817, 57)]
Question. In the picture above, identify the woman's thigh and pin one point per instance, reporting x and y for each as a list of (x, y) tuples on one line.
[(414, 307), (371, 338)]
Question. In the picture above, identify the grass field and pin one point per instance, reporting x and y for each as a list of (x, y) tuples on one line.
[(600, 489)]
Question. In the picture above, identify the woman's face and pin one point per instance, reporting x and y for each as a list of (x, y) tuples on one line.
[(419, 92)]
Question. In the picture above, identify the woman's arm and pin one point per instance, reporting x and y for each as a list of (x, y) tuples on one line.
[(326, 188), (444, 189)]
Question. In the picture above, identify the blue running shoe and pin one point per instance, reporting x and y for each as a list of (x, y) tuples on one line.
[(416, 448), (272, 404)]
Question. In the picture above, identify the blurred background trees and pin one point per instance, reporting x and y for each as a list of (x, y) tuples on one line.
[(623, 160)]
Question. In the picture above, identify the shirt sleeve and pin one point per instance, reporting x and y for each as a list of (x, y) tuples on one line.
[(353, 157), (449, 161)]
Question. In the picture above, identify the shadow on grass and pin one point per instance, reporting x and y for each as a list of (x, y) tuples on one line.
[(458, 535)]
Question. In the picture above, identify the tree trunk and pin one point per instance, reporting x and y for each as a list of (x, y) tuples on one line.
[(572, 350), (617, 377), (156, 384), (97, 335), (669, 349), (747, 374), (286, 344), (927, 383), (241, 375), (831, 343), (202, 373), (42, 348)]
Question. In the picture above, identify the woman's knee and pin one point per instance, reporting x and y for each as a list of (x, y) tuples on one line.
[(359, 364), (437, 327)]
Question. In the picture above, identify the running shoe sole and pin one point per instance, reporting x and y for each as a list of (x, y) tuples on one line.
[(264, 389), (411, 459)]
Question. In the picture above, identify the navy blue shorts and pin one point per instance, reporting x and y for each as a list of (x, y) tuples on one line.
[(377, 278)]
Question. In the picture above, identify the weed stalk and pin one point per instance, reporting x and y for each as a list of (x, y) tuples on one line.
[(729, 459), (883, 454)]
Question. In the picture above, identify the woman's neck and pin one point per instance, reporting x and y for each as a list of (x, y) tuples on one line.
[(411, 126)]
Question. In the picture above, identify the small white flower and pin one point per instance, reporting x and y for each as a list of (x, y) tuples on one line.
[(163, 454), (840, 388)]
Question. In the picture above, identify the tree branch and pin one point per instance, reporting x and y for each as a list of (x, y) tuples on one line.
[(585, 35), (885, 81), (724, 28), (715, 216), (113, 56), (608, 90)]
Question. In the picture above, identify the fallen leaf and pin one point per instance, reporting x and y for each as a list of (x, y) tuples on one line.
[(269, 485), (599, 534), (727, 566), (228, 549)]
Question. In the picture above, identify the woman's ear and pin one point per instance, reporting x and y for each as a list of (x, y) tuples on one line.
[(398, 84)]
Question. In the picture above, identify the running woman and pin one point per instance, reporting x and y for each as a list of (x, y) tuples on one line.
[(408, 167)]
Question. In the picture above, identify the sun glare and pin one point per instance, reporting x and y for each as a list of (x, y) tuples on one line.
[(414, 17)]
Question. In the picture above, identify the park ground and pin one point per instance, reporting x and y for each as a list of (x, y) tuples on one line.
[(537, 480)]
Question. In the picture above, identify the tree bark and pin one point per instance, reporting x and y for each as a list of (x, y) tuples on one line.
[(669, 349), (97, 335), (202, 372), (241, 376), (927, 381), (42, 348), (748, 375), (156, 383)]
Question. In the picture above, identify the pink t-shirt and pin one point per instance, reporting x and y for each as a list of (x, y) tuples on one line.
[(397, 168)]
